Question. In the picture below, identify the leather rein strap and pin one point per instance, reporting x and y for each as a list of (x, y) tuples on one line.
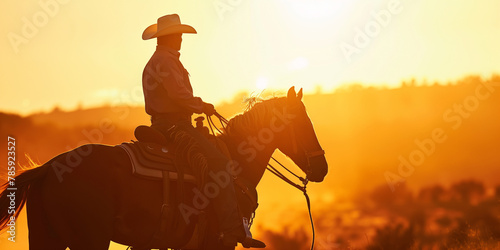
[(279, 174)]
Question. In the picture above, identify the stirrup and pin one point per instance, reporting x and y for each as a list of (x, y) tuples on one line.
[(245, 238)]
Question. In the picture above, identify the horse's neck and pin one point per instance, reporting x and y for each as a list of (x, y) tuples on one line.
[(252, 168), (245, 141)]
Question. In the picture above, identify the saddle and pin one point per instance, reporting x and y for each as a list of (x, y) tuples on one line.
[(152, 155)]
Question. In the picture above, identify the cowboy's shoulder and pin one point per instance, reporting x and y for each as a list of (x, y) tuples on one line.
[(165, 61), (172, 66)]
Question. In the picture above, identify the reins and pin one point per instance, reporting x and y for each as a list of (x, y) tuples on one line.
[(224, 122)]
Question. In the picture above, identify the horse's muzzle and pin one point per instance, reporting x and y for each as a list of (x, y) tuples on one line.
[(318, 168)]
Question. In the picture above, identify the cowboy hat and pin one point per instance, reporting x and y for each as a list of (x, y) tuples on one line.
[(166, 25)]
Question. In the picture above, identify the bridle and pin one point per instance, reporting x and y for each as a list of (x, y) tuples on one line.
[(224, 122), (308, 154)]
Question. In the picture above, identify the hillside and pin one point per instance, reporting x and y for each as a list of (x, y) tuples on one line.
[(363, 130)]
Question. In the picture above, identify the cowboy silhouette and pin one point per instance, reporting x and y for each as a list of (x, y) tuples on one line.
[(169, 100)]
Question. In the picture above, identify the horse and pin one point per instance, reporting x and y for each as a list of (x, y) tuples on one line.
[(90, 203)]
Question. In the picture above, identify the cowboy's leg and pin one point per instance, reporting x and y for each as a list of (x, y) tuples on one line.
[(224, 202)]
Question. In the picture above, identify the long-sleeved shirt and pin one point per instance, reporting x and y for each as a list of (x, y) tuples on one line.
[(166, 85)]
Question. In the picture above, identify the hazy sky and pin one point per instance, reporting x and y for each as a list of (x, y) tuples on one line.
[(71, 51)]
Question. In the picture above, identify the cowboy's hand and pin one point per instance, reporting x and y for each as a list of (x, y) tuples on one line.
[(208, 109)]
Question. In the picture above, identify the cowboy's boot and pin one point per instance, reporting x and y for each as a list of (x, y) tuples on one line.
[(242, 235)]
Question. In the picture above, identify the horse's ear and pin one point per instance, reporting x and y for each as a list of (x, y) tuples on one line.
[(299, 95), (291, 93)]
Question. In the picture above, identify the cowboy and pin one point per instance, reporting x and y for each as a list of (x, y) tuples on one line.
[(169, 100)]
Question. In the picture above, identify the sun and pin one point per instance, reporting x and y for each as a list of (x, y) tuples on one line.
[(313, 10)]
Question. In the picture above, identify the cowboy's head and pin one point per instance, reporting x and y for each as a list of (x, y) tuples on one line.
[(168, 30)]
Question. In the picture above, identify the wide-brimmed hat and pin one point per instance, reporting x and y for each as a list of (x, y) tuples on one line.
[(166, 25)]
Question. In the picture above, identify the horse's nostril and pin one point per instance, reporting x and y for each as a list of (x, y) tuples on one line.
[(318, 169)]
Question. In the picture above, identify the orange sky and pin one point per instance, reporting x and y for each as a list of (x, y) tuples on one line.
[(91, 52)]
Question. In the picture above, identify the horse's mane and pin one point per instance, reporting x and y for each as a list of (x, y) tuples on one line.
[(257, 115)]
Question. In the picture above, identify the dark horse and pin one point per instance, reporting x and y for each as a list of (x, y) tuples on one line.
[(89, 205)]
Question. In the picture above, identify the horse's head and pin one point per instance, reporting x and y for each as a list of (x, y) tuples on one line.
[(301, 143)]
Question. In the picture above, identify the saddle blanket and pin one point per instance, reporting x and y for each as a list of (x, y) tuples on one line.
[(151, 160)]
